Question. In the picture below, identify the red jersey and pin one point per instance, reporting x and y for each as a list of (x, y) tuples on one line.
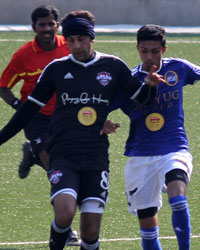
[(27, 64)]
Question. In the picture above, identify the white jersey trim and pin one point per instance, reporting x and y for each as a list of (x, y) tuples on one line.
[(41, 104)]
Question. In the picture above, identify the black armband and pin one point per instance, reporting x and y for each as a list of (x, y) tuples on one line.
[(16, 103)]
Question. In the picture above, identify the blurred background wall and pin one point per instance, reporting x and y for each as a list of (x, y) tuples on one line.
[(163, 12)]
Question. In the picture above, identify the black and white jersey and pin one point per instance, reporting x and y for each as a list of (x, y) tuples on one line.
[(84, 92)]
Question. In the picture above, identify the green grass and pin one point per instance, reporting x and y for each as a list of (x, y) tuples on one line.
[(24, 204)]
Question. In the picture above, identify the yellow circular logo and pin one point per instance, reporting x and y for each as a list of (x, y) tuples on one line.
[(154, 121), (87, 116)]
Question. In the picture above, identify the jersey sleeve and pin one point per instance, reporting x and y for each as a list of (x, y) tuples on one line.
[(191, 71), (44, 88), (11, 75), (135, 88)]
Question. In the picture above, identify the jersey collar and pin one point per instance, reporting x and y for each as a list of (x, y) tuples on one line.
[(143, 71), (96, 58), (37, 48)]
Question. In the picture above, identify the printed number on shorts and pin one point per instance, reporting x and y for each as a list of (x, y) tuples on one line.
[(105, 180)]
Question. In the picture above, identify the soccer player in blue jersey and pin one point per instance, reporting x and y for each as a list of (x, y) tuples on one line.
[(157, 144), (85, 83)]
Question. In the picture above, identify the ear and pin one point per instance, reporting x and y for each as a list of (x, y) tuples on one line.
[(58, 25), (164, 49), (33, 27)]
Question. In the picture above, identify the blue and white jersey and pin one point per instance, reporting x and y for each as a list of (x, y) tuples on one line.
[(158, 129)]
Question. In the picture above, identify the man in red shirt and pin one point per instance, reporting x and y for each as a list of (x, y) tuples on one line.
[(27, 64)]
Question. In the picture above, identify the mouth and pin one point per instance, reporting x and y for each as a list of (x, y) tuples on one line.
[(149, 63), (78, 54), (47, 34)]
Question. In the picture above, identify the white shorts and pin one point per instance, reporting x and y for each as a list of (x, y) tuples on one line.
[(145, 177)]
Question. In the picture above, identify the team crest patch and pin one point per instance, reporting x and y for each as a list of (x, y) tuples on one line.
[(55, 177), (171, 78), (104, 78)]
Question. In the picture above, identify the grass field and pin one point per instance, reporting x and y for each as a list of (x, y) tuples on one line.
[(25, 212)]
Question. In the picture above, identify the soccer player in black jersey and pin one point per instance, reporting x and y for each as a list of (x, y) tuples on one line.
[(85, 83)]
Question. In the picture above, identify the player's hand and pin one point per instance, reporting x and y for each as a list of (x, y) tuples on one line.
[(153, 79), (109, 127)]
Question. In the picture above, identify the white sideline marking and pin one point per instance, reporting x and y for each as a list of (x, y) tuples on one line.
[(107, 41), (120, 28), (101, 240)]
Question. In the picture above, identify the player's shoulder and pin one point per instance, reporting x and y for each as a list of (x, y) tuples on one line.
[(110, 58), (172, 60), (102, 55), (59, 62), (23, 52), (135, 70), (178, 63), (24, 48)]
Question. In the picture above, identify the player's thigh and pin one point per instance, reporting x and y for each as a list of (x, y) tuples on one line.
[(143, 184), (94, 185), (181, 160), (63, 179)]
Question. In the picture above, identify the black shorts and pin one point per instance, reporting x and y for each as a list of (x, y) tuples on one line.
[(37, 132), (92, 184)]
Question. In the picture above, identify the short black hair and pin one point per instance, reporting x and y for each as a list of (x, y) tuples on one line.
[(151, 32), (43, 11)]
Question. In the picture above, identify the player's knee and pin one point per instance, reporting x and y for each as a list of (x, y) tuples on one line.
[(146, 213), (64, 219), (90, 232), (91, 214), (64, 208)]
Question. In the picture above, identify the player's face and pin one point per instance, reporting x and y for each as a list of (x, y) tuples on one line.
[(150, 53), (81, 47), (45, 29)]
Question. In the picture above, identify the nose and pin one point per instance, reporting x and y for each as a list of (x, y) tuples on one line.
[(149, 55), (47, 27), (76, 44)]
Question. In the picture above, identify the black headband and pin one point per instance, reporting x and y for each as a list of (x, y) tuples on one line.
[(78, 26)]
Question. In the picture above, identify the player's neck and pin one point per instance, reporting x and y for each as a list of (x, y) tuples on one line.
[(47, 46), (91, 57), (147, 67)]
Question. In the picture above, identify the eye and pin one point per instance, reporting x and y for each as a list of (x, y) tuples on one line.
[(41, 25), (69, 40), (51, 24), (155, 51), (81, 38)]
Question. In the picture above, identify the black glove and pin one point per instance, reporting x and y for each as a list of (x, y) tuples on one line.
[(16, 103)]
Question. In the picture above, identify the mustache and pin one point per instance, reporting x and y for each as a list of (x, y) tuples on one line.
[(47, 33)]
